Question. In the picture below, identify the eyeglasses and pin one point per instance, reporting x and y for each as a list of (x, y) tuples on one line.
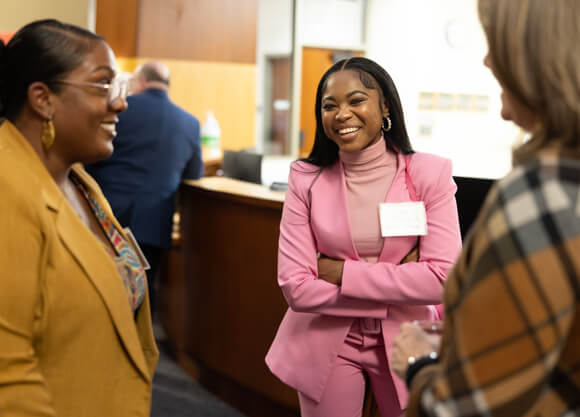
[(118, 88)]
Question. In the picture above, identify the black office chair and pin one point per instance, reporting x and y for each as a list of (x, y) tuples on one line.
[(471, 193), (243, 165)]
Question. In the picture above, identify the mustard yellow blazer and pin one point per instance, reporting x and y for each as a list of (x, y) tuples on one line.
[(69, 343)]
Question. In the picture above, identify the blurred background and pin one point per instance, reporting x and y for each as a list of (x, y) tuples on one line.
[(256, 64)]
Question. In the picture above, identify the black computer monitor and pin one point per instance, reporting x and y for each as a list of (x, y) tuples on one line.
[(243, 165), (471, 193)]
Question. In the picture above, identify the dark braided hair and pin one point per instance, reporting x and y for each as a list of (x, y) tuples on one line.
[(45, 51)]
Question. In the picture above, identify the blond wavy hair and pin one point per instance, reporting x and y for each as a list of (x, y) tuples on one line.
[(533, 45)]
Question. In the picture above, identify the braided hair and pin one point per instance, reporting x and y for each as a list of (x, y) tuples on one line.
[(44, 50)]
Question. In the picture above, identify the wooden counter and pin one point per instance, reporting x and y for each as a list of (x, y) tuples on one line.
[(231, 305)]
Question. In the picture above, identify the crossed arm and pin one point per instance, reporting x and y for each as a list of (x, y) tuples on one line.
[(313, 282)]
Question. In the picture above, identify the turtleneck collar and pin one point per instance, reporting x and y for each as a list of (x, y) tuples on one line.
[(368, 158)]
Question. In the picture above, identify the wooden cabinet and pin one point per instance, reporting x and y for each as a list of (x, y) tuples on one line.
[(223, 316)]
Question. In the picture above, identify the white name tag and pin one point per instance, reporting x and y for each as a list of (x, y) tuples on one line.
[(403, 219), (137, 249)]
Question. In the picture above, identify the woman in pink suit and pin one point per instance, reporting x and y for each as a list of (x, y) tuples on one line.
[(339, 260)]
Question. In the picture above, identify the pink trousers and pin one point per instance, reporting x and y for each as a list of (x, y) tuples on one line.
[(344, 393)]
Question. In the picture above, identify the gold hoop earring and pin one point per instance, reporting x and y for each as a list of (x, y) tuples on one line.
[(48, 134), (389, 124)]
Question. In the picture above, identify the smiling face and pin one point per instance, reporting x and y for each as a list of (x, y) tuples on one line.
[(352, 114), (84, 118)]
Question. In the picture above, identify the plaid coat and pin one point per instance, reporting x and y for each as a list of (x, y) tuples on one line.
[(511, 344)]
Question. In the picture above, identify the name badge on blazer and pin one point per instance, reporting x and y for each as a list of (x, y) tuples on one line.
[(137, 249), (403, 219)]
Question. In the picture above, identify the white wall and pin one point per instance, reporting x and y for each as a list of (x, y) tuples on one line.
[(275, 27), (337, 24), (427, 46), (274, 38), (438, 46), (331, 23)]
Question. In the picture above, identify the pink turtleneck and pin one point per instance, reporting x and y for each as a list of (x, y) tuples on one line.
[(368, 174)]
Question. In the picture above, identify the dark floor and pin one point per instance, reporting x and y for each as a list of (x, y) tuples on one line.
[(176, 394)]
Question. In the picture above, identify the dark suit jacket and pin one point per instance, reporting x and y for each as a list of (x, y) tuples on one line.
[(157, 145)]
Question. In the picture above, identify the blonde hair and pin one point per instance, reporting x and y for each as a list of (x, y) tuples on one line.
[(534, 52)]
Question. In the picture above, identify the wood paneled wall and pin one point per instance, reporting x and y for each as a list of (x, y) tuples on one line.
[(201, 30), (15, 14), (209, 46), (117, 22), (227, 89)]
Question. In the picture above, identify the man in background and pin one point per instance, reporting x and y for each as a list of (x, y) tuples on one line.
[(157, 145)]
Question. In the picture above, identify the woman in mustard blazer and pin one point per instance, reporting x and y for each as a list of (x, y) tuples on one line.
[(75, 328)]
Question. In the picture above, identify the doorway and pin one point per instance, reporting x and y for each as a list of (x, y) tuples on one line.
[(277, 106)]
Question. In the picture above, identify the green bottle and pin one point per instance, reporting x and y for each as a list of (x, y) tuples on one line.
[(210, 131)]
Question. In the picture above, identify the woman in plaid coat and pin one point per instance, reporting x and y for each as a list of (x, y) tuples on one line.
[(511, 339)]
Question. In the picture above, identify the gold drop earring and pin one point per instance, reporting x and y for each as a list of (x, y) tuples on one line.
[(48, 134)]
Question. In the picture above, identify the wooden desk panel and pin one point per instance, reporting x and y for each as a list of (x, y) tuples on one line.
[(229, 232)]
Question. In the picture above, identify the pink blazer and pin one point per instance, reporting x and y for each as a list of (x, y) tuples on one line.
[(315, 220)]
